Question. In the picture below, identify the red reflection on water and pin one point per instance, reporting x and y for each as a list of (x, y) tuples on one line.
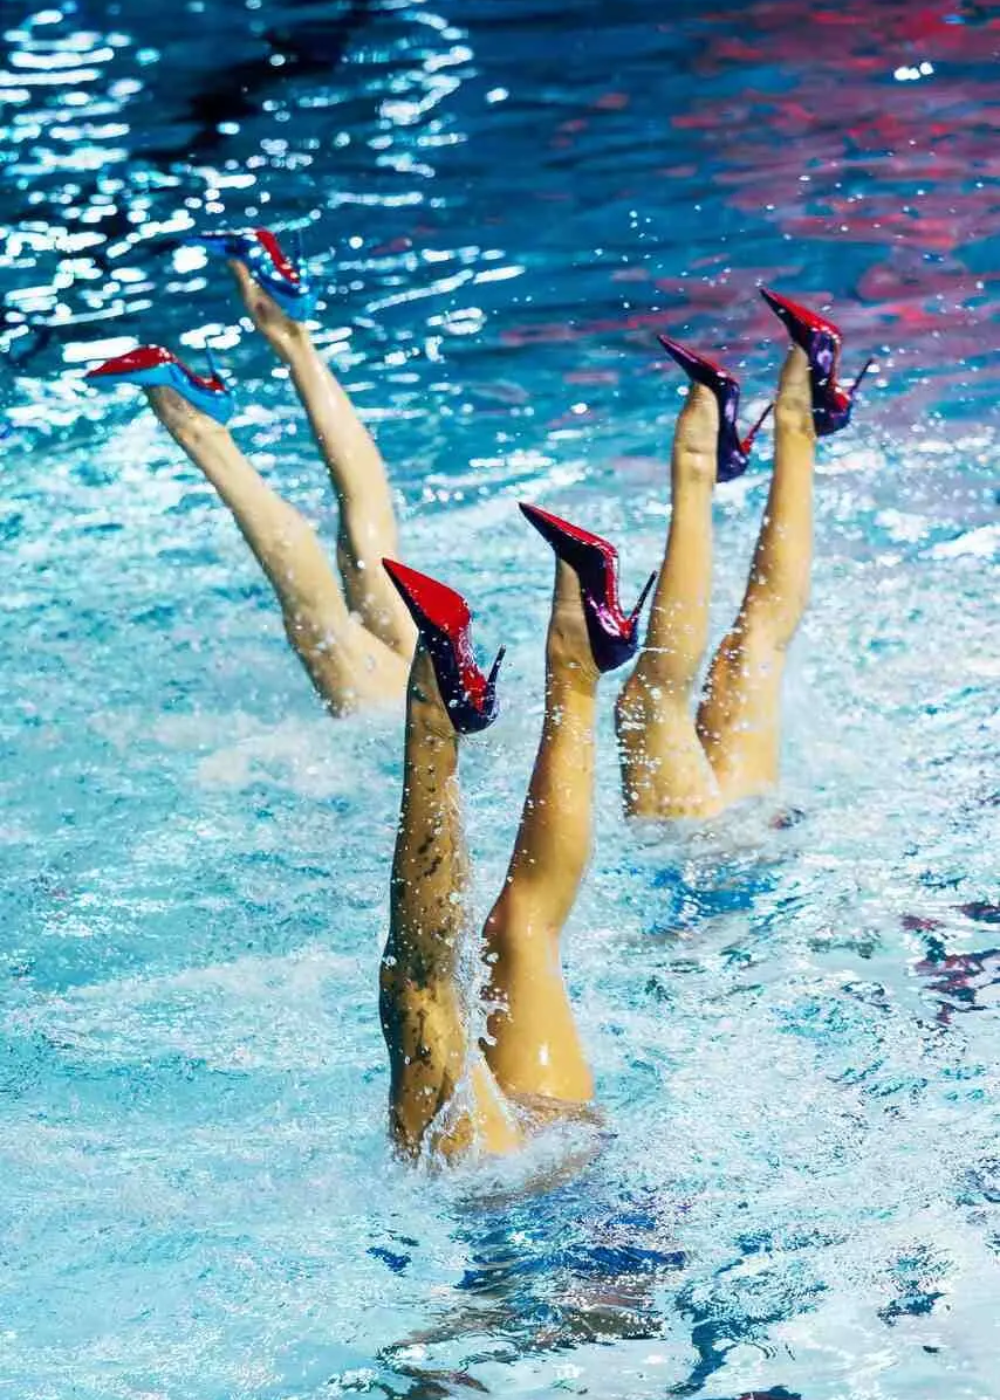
[(964, 981), (862, 125), (612, 102)]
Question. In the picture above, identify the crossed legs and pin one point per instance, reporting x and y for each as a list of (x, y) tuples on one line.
[(446, 1090), (675, 764)]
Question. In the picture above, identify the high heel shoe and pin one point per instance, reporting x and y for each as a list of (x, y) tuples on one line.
[(152, 365), (732, 454), (262, 256), (821, 340), (614, 637), (443, 617)]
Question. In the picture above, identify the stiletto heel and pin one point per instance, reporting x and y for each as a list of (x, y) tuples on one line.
[(732, 453), (821, 340), (443, 617), (276, 273), (152, 365), (613, 636)]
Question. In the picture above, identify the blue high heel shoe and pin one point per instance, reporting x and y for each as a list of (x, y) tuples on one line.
[(152, 365), (262, 256)]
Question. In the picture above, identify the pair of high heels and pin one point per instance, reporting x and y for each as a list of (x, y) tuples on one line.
[(831, 405), (273, 270), (443, 619)]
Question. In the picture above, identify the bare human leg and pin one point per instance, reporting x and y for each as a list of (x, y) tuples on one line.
[(739, 717), (367, 530), (535, 1048), (665, 771), (442, 1092), (350, 668)]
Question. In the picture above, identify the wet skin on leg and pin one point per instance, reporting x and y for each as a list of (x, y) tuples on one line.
[(349, 667), (367, 531), (674, 765), (665, 771), (536, 1051), (424, 1018), (739, 717), (534, 1059)]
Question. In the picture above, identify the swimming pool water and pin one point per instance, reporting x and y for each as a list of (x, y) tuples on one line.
[(794, 1030)]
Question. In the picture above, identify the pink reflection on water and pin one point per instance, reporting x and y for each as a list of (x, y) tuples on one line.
[(865, 126)]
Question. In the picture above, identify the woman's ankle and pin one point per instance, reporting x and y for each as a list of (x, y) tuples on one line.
[(188, 426)]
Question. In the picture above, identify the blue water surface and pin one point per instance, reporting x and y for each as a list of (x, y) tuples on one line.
[(793, 1027)]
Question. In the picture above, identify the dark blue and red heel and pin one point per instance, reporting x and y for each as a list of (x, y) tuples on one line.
[(269, 266), (151, 366), (614, 637), (443, 618), (732, 453), (822, 341)]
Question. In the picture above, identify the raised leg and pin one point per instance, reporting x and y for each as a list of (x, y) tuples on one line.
[(665, 772), (349, 667), (367, 531), (740, 713), (535, 1049), (439, 1081)]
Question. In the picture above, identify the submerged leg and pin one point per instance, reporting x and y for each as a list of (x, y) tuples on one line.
[(665, 772), (536, 1049), (367, 531), (349, 667), (423, 1013), (740, 713)]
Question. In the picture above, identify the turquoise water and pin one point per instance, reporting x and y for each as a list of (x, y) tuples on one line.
[(794, 1030)]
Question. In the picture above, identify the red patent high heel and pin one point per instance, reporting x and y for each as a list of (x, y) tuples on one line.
[(732, 453), (443, 618), (821, 340), (613, 636)]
